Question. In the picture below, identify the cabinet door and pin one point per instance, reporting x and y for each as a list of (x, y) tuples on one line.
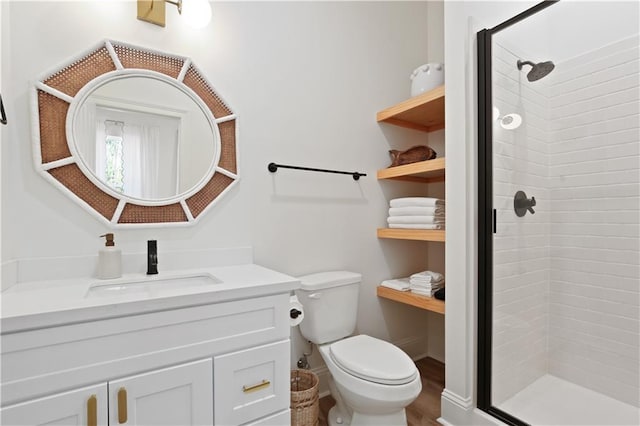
[(180, 395), (81, 407)]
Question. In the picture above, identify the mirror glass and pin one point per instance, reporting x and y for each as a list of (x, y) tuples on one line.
[(145, 138)]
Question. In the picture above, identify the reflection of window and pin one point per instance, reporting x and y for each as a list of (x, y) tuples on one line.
[(137, 152), (114, 161)]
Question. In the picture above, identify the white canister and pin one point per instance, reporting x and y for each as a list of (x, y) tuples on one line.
[(426, 77)]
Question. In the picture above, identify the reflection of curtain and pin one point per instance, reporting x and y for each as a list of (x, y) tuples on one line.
[(85, 127), (150, 150), (132, 160), (100, 156), (149, 162)]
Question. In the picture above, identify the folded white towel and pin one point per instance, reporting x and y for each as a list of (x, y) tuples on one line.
[(417, 281), (428, 275), (429, 293), (426, 280), (416, 202), (416, 211), (413, 282), (415, 219), (400, 284), (426, 287), (416, 225)]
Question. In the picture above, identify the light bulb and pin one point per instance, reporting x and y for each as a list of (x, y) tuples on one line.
[(496, 113), (511, 121), (197, 13)]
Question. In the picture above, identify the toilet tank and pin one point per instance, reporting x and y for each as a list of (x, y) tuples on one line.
[(330, 301)]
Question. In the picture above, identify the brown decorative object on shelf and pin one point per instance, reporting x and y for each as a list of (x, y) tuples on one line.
[(412, 155)]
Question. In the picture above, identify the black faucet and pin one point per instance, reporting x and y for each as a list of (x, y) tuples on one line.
[(152, 257)]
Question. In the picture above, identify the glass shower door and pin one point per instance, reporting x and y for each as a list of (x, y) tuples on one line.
[(559, 292)]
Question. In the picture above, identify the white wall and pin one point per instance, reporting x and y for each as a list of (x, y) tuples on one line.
[(1, 131), (306, 79), (436, 251), (594, 156), (462, 19)]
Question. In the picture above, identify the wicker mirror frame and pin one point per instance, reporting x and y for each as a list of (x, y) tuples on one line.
[(59, 92)]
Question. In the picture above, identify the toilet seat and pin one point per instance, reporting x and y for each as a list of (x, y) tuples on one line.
[(373, 360)]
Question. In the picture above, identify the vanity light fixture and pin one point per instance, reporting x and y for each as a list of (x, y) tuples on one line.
[(508, 122), (197, 13)]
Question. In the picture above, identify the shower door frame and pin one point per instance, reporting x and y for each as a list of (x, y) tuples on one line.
[(487, 215)]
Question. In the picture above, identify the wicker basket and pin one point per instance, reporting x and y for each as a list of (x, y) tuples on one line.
[(305, 406)]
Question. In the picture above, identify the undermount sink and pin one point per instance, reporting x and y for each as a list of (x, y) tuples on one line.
[(150, 284)]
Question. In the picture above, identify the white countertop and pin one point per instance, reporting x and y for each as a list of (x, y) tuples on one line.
[(38, 304)]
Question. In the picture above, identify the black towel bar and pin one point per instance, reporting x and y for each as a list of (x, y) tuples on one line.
[(273, 167)]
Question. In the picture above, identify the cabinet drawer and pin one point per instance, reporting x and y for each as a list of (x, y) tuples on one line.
[(280, 419), (251, 383)]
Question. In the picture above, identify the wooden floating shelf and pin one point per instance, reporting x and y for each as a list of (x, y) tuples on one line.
[(424, 171), (423, 302), (412, 234), (424, 112)]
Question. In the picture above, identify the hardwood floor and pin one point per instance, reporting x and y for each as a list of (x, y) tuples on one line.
[(425, 410)]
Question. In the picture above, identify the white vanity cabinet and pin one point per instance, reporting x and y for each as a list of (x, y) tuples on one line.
[(221, 363)]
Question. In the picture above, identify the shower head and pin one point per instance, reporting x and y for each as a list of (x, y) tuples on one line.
[(538, 70)]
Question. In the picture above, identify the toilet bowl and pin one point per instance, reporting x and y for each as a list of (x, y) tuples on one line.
[(371, 380), (374, 390)]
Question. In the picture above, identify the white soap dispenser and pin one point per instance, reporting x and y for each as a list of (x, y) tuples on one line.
[(109, 260)]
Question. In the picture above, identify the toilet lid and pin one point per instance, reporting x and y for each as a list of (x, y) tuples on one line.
[(374, 360)]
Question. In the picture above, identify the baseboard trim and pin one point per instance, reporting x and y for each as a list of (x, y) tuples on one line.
[(457, 410), (323, 394), (460, 402)]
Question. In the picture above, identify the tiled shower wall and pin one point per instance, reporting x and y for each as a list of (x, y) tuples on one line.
[(594, 299), (521, 244), (566, 280)]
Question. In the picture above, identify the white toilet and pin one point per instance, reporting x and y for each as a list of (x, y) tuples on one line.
[(372, 380)]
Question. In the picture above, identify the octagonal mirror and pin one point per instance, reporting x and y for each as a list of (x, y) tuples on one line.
[(135, 136)]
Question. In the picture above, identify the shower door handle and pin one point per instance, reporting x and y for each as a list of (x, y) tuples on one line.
[(522, 204), (495, 221), (3, 116)]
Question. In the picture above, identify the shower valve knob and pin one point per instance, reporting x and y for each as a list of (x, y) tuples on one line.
[(522, 204), (532, 203)]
